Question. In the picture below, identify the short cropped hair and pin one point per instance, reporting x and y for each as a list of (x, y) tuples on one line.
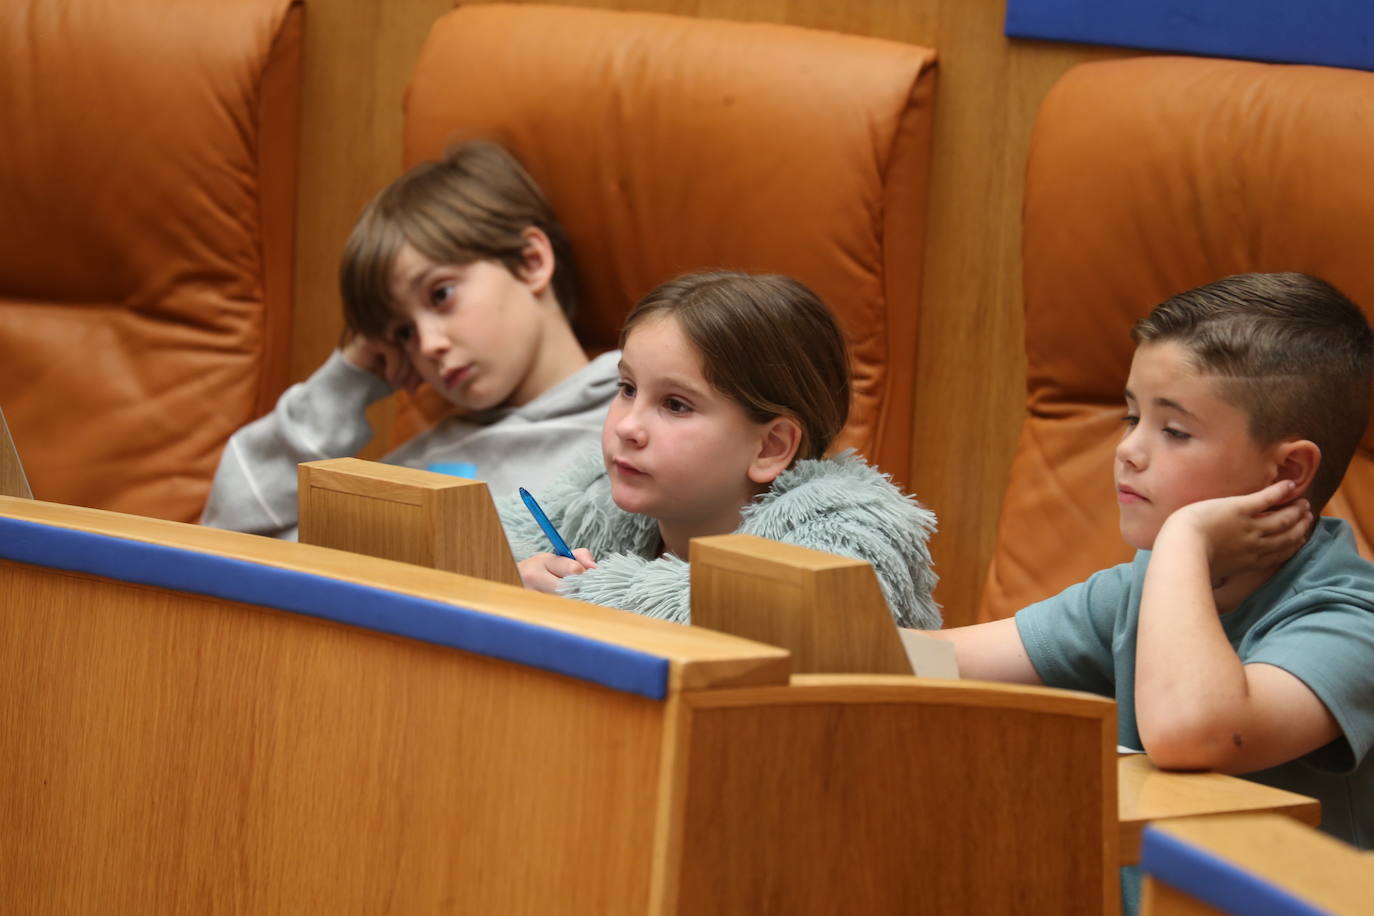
[(767, 342), (471, 205), (1290, 351)]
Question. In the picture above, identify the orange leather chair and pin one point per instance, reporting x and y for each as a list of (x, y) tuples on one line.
[(147, 209), (1148, 177), (669, 144)]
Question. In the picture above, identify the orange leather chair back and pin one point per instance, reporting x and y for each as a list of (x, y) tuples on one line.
[(1148, 177), (147, 213), (669, 144)]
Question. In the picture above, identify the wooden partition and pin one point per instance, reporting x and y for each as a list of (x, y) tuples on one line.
[(191, 749), (964, 779), (198, 720)]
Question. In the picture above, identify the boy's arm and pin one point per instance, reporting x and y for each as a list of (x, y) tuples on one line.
[(383, 359), (254, 489), (990, 652), (1197, 706)]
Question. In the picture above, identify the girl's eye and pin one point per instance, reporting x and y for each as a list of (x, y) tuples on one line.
[(626, 389), (676, 406), (1178, 434), (441, 294), (1130, 419)]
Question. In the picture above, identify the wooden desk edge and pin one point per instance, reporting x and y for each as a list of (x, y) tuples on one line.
[(699, 658), (1131, 769)]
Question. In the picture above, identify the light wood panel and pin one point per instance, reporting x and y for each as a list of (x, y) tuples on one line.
[(971, 369), (1151, 794), (1304, 862), (404, 514), (827, 610), (1001, 797), (13, 481), (368, 774)]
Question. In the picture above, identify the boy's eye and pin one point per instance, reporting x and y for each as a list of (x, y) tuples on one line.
[(1130, 419), (627, 390), (676, 406), (1176, 433), (402, 334)]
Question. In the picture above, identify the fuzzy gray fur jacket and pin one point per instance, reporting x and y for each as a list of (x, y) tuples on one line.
[(841, 505)]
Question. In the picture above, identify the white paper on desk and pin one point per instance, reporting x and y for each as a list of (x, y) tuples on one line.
[(1123, 750), (929, 657)]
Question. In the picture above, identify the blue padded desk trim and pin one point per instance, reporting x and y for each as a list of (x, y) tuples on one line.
[(423, 619), (1336, 33), (1215, 881)]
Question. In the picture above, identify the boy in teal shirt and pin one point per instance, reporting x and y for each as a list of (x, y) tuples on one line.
[(1241, 637)]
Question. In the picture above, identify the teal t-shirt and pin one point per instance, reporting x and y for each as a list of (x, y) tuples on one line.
[(1314, 618)]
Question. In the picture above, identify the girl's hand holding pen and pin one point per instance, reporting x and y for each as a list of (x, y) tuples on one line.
[(543, 571)]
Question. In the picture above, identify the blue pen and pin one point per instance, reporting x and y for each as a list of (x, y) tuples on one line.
[(560, 546)]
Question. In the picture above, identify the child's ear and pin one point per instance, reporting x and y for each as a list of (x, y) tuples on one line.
[(1297, 460), (536, 260), (778, 444)]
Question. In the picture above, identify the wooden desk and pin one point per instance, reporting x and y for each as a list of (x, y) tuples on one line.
[(1146, 793), (1252, 861)]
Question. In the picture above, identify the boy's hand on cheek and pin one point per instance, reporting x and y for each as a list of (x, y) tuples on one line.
[(543, 571), (1253, 531), (384, 360)]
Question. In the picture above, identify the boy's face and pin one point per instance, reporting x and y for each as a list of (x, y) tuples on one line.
[(473, 332), (1182, 443)]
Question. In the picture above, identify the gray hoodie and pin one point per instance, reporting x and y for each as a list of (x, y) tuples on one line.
[(324, 417)]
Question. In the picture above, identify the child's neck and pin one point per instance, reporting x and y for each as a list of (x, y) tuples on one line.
[(676, 536), (676, 539), (560, 356)]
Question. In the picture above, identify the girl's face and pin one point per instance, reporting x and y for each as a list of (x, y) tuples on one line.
[(676, 449)]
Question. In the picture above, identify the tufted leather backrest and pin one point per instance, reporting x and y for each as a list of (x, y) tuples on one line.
[(1148, 177), (669, 144), (147, 216)]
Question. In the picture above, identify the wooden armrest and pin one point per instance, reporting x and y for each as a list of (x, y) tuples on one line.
[(827, 610), (404, 514)]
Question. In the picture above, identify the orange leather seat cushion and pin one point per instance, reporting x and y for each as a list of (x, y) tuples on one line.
[(669, 144), (147, 203), (1148, 177)]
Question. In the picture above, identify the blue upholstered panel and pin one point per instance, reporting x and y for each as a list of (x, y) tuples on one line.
[(363, 606), (1216, 881), (1337, 33)]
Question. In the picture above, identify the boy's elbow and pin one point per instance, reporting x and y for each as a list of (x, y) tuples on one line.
[(1179, 755), (1200, 744)]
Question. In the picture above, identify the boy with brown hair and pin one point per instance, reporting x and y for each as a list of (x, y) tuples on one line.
[(1241, 637), (457, 274)]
